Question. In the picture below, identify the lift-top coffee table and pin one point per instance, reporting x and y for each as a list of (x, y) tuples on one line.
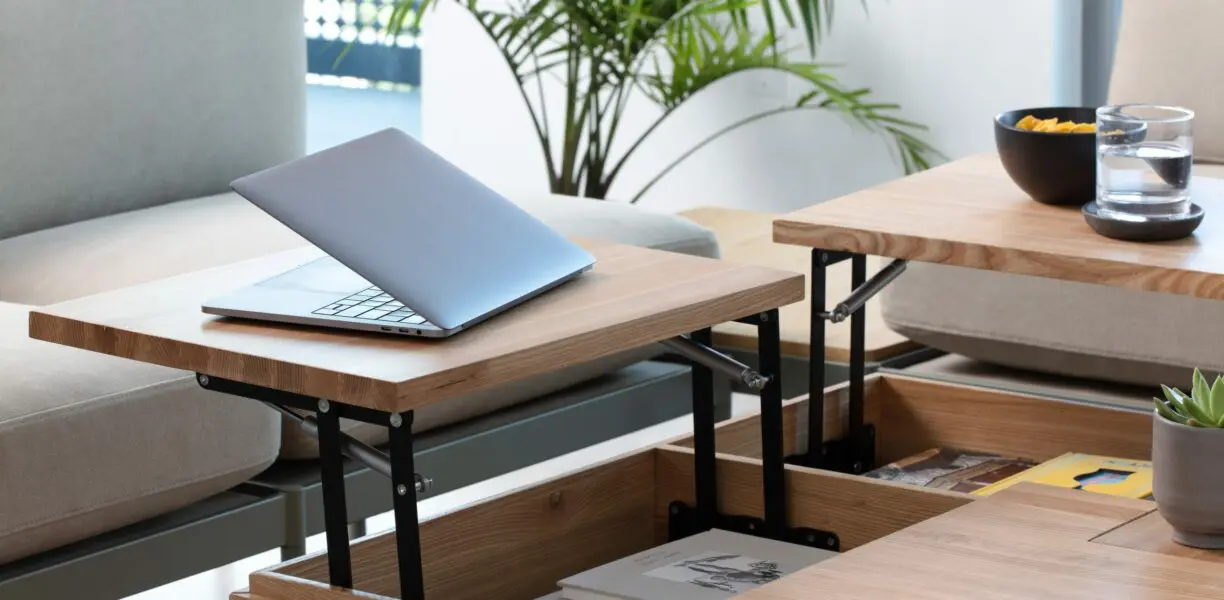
[(633, 297)]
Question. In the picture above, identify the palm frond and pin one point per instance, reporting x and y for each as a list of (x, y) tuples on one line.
[(708, 53)]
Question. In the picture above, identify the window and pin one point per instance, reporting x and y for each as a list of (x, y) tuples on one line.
[(347, 45)]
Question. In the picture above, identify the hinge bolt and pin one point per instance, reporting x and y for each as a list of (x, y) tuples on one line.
[(423, 483), (324, 405), (396, 420), (401, 489), (203, 379)]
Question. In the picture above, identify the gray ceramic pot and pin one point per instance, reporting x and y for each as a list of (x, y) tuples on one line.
[(1188, 482)]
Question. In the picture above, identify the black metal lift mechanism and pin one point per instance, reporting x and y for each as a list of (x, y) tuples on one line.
[(321, 417), (855, 452)]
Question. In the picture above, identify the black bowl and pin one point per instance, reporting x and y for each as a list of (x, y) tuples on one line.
[(1052, 168)]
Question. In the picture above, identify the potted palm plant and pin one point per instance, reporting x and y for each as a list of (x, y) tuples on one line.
[(603, 52), (1187, 445)]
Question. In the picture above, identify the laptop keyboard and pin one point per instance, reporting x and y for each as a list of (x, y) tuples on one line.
[(374, 305)]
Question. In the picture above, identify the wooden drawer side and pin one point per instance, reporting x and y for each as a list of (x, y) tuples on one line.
[(514, 547), (741, 436), (919, 414), (858, 510)]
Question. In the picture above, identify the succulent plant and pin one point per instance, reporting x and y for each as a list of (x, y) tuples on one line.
[(1204, 407)]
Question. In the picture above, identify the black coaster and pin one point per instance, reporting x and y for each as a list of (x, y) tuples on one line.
[(1157, 230)]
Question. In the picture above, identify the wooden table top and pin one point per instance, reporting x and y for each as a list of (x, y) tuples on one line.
[(969, 213), (746, 237), (633, 297), (1029, 541)]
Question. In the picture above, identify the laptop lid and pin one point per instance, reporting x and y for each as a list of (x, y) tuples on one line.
[(415, 225)]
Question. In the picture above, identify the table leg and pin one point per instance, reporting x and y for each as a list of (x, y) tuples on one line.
[(703, 438), (858, 334), (770, 352), (816, 450), (335, 512), (407, 526)]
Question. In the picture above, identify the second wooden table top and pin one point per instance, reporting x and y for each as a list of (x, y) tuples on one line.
[(1029, 541), (633, 297), (969, 213)]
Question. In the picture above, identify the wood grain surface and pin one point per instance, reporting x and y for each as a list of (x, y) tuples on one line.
[(1151, 533), (513, 547), (632, 298), (741, 435), (746, 237), (857, 509), (918, 414), (969, 213), (1029, 541)]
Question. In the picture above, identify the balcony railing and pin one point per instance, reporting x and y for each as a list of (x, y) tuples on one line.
[(347, 39)]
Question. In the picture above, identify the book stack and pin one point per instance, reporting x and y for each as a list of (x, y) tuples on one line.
[(708, 566)]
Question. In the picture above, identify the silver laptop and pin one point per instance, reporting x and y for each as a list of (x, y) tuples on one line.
[(417, 247)]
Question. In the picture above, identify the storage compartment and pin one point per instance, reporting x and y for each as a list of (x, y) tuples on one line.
[(517, 546), (911, 415)]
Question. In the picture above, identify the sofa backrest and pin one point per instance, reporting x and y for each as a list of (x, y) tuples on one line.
[(116, 105), (1168, 53)]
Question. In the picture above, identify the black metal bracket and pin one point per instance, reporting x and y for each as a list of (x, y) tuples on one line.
[(682, 522), (324, 424), (855, 453), (768, 380)]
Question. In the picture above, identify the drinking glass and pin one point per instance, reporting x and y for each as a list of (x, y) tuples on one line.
[(1143, 162)]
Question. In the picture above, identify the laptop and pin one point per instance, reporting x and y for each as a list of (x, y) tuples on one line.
[(416, 246)]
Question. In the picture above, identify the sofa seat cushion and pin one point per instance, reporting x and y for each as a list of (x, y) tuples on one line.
[(622, 223), (90, 443), (117, 251), (1059, 327)]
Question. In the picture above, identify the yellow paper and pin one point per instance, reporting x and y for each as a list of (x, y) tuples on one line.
[(1099, 474)]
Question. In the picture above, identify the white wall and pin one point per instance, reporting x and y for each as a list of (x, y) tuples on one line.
[(952, 64)]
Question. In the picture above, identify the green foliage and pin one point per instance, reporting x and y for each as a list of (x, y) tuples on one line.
[(602, 52), (1204, 407)]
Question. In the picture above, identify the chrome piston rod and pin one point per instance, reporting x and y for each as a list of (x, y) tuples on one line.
[(717, 361), (354, 448)]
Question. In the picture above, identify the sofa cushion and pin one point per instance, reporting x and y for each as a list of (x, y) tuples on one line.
[(1059, 327), (1167, 53), (129, 248), (98, 255), (116, 105), (89, 443), (622, 223)]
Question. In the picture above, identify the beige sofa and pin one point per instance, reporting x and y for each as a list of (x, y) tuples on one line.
[(123, 124), (1166, 54)]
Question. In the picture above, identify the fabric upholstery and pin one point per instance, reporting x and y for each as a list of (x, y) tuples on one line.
[(117, 251), (1168, 54), (89, 443), (960, 369), (1059, 327), (116, 105), (622, 223)]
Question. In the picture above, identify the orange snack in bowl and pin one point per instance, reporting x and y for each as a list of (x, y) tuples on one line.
[(1027, 123), (1031, 123)]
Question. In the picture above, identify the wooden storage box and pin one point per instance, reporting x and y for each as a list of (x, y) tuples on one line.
[(912, 414), (517, 546)]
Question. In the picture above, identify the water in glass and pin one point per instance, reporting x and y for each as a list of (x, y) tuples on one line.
[(1143, 163)]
